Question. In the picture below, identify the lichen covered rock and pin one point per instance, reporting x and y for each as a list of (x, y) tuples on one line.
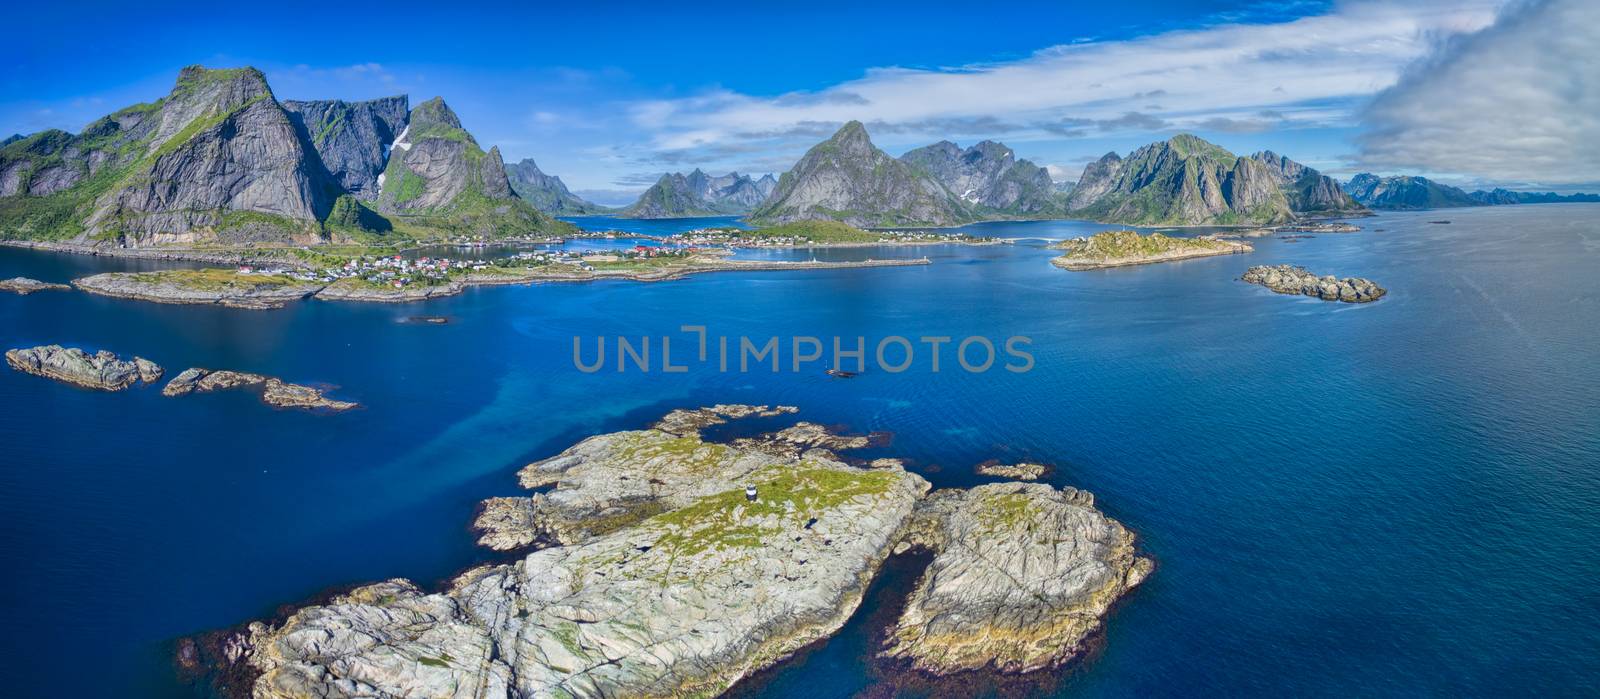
[(101, 370), (1022, 577), (685, 602)]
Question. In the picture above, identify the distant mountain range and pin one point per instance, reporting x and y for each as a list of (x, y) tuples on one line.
[(1182, 181), (221, 160), (677, 195), (548, 193), (1411, 192)]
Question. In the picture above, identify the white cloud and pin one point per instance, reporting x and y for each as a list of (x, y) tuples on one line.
[(1519, 101), (1197, 75)]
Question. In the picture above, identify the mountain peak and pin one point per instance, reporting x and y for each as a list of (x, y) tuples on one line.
[(1189, 145), (434, 111), (223, 88), (852, 132)]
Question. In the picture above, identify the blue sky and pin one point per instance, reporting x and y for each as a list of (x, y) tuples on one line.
[(610, 96)]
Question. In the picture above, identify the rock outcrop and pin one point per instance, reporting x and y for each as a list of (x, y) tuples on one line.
[(1288, 279), (1124, 248), (102, 370), (351, 139), (547, 193), (275, 392), (1022, 576), (1404, 192), (1025, 471), (712, 587), (688, 422), (280, 394), (988, 177), (25, 286), (1184, 181), (846, 178)]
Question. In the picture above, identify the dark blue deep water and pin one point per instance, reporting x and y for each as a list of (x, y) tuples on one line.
[(1398, 498)]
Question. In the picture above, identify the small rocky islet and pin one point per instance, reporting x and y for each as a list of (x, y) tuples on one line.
[(275, 392), (1024, 471), (25, 286), (102, 370), (666, 565), (1124, 248), (1289, 279)]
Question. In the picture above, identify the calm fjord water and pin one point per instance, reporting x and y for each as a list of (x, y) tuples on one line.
[(1386, 499)]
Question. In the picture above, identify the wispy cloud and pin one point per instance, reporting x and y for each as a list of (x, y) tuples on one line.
[(1519, 101), (1221, 77)]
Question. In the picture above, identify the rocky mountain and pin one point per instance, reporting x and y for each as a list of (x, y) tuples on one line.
[(439, 177), (988, 177), (1406, 192), (1500, 197), (677, 195), (1309, 192), (1182, 181), (547, 193), (351, 138), (846, 178), (220, 160)]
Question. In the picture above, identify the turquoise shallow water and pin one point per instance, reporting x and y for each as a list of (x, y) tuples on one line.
[(1388, 499)]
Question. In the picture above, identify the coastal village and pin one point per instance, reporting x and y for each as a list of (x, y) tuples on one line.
[(740, 238), (400, 272)]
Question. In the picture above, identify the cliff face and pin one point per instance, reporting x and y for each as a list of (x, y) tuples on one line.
[(216, 159), (1182, 181), (1404, 192), (547, 193), (1309, 192), (846, 178), (988, 176), (220, 160), (439, 177), (351, 138)]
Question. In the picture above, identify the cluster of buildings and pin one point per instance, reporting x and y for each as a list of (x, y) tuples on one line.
[(395, 271)]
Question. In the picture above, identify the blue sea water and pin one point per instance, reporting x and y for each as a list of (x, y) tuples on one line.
[(1397, 498)]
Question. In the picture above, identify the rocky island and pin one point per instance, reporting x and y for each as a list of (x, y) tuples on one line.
[(667, 565), (275, 392), (25, 286), (1021, 577), (102, 370), (200, 286), (1288, 279), (1123, 248)]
